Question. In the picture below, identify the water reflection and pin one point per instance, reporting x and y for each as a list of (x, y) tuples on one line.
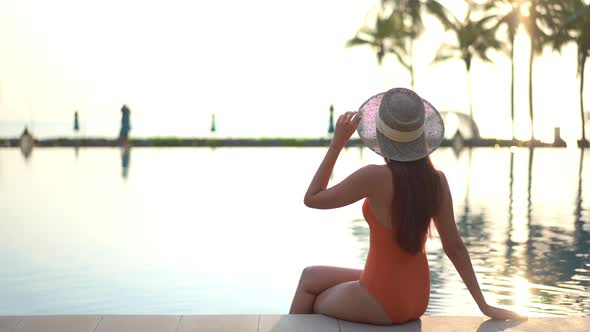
[(552, 257), (522, 214), (26, 150), (509, 243), (581, 245), (578, 211), (541, 259), (471, 223), (125, 159)]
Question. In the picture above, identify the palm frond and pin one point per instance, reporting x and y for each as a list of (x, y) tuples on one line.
[(446, 52), (511, 20), (400, 54), (356, 41), (448, 20), (578, 15), (443, 57)]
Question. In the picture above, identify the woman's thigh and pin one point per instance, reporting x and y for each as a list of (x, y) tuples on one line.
[(318, 278), (351, 301)]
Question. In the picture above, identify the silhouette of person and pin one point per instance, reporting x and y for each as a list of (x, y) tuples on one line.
[(331, 125), (76, 122), (125, 124)]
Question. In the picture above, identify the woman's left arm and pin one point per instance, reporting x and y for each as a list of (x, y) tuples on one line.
[(351, 189)]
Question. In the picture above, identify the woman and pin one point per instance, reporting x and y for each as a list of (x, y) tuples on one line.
[(401, 198)]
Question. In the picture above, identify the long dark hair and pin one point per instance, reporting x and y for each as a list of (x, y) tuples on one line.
[(415, 201)]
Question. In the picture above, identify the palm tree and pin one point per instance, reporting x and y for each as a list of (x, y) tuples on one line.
[(541, 16), (398, 24), (388, 35), (375, 37), (474, 39), (509, 17), (411, 12), (575, 27), (408, 16)]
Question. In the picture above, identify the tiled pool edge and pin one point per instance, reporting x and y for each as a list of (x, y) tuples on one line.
[(275, 323)]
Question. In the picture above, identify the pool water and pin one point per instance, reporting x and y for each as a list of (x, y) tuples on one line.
[(225, 231)]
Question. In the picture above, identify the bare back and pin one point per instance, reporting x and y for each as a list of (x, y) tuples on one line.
[(381, 199)]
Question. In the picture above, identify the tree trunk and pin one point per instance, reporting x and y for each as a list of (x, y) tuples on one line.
[(469, 94), (412, 77), (529, 187), (531, 116), (532, 18), (510, 198), (512, 87), (583, 64)]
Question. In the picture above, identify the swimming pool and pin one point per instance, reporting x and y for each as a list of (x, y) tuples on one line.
[(225, 231)]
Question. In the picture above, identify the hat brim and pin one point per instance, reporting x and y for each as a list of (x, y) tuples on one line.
[(430, 140)]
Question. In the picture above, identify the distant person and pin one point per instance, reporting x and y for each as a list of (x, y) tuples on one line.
[(76, 122), (401, 197), (125, 125), (76, 132), (331, 124)]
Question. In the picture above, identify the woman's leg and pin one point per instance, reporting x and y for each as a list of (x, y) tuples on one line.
[(351, 301), (316, 279)]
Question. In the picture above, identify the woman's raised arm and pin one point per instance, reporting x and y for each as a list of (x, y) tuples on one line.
[(354, 187)]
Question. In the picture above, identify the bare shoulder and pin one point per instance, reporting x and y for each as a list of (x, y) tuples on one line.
[(444, 192), (374, 171), (378, 178), (373, 177), (441, 175), (443, 180), (376, 168)]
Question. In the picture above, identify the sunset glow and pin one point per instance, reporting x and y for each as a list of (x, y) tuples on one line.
[(177, 63)]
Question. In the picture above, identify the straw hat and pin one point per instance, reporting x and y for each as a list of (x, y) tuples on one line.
[(400, 125)]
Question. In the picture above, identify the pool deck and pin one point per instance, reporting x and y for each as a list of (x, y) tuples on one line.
[(275, 323)]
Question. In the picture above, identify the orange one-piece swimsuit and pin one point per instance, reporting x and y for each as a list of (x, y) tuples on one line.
[(397, 279)]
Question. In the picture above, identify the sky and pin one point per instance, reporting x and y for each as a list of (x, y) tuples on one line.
[(264, 68)]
